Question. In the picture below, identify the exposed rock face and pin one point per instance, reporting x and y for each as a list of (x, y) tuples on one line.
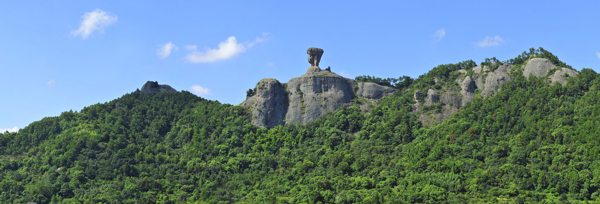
[(308, 97), (370, 90), (432, 97), (314, 93), (467, 90), (559, 76), (538, 67), (154, 87), (495, 79), (268, 104)]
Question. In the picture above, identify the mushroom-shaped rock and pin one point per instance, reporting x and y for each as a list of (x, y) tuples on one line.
[(314, 57), (538, 67), (154, 87), (268, 108)]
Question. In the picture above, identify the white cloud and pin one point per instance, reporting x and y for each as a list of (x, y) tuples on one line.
[(598, 54), (51, 83), (270, 64), (199, 90), (95, 20), (490, 41), (345, 74), (165, 50), (439, 34), (15, 129), (226, 50)]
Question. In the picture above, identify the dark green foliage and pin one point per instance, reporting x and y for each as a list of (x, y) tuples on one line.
[(529, 143), (400, 83)]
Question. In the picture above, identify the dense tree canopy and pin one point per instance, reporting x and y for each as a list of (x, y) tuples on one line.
[(530, 142)]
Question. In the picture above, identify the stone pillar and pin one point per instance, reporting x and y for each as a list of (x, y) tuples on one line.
[(314, 57)]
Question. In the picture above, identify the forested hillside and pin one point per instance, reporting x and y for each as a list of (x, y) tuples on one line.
[(529, 142)]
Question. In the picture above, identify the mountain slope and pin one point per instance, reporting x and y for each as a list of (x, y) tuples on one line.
[(528, 142)]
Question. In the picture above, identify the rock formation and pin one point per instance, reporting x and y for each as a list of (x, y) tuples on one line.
[(538, 67), (304, 99), (314, 57), (561, 76), (370, 90), (268, 104), (154, 87)]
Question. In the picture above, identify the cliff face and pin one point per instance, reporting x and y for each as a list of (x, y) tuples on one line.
[(316, 92), (304, 99), (268, 104)]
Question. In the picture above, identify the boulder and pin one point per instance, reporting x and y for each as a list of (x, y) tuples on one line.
[(538, 67), (370, 90), (561, 75), (154, 87)]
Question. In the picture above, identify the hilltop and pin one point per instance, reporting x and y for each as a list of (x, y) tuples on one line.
[(523, 130)]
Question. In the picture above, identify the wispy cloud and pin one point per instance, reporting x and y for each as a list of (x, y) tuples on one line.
[(491, 41), (259, 39), (95, 20), (439, 35), (165, 50), (345, 74), (227, 49), (15, 129), (51, 83), (199, 90), (598, 54), (270, 64)]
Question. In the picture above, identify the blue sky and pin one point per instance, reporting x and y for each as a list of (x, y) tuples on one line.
[(57, 56)]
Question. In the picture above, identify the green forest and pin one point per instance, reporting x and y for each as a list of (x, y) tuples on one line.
[(528, 143)]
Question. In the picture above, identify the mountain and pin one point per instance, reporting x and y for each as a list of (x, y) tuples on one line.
[(497, 131)]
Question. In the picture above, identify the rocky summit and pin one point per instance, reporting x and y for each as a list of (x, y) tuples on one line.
[(154, 87), (307, 97)]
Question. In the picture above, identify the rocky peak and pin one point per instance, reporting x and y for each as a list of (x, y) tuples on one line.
[(305, 98), (154, 87)]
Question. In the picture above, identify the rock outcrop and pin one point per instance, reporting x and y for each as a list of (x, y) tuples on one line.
[(154, 87), (538, 67), (304, 99), (268, 104), (495, 79), (370, 90), (561, 76), (467, 91), (314, 93)]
